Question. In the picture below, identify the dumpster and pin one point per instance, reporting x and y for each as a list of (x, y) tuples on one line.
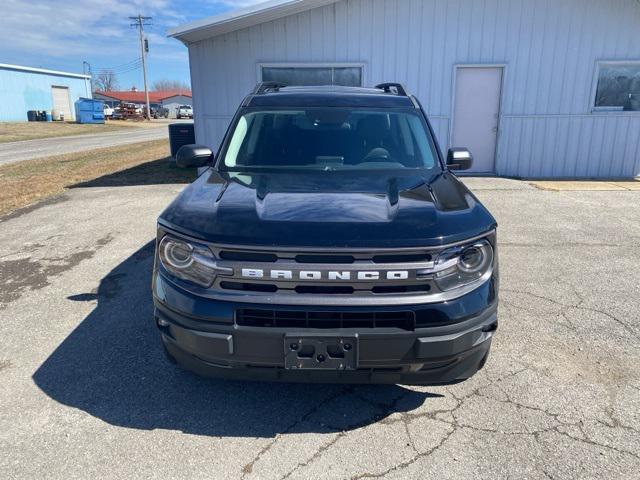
[(32, 115), (89, 110), (180, 134)]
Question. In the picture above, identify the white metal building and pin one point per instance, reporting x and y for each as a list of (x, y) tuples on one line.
[(535, 88)]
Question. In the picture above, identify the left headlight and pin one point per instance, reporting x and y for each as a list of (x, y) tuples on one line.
[(463, 265), (188, 261)]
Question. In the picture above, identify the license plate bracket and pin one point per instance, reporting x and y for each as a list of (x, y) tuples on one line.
[(321, 352)]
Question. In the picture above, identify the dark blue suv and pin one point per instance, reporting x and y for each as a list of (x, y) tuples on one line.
[(328, 241)]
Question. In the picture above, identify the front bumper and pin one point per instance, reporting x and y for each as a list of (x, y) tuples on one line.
[(201, 334)]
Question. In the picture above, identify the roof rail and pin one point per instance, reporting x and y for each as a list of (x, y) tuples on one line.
[(264, 87), (395, 88)]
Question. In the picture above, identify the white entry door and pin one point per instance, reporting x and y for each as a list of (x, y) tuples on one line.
[(476, 114), (62, 102)]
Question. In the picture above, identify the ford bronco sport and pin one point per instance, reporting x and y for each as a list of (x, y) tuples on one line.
[(328, 241)]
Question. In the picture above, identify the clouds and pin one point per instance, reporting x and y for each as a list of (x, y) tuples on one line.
[(60, 28), (61, 34)]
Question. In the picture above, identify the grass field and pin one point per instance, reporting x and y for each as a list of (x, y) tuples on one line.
[(30, 181), (17, 131)]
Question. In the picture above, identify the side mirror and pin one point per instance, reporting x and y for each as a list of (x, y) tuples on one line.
[(459, 159), (194, 156)]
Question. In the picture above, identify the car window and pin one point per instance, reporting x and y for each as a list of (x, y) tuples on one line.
[(330, 139)]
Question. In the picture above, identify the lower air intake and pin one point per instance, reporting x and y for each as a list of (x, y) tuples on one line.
[(325, 320)]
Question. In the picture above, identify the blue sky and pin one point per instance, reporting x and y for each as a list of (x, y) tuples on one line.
[(61, 34)]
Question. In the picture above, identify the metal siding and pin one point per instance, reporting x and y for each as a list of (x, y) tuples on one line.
[(172, 103), (21, 91), (549, 47)]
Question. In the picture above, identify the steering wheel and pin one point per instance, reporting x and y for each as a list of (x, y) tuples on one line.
[(377, 154)]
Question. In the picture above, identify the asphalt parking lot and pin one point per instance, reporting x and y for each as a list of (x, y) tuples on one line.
[(86, 392)]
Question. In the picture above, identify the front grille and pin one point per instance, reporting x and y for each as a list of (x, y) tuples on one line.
[(324, 320), (279, 271)]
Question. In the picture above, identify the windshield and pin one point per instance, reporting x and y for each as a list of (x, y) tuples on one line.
[(330, 139)]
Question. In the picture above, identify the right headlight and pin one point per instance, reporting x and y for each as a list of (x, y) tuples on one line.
[(189, 261), (460, 266)]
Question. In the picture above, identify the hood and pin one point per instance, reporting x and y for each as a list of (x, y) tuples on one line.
[(331, 209)]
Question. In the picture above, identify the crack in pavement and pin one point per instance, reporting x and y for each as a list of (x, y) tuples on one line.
[(406, 464), (248, 468), (457, 425), (565, 307), (316, 455), (384, 409), (406, 418)]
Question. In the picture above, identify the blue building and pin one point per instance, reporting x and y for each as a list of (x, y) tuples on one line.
[(25, 88)]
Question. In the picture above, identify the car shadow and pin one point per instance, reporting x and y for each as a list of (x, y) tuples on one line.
[(156, 172), (112, 366)]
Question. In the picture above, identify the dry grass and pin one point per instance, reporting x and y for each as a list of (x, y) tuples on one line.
[(30, 181), (15, 132)]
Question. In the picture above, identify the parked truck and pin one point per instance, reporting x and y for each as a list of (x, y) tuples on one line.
[(184, 111)]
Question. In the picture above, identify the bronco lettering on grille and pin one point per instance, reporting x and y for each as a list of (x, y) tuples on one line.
[(257, 273)]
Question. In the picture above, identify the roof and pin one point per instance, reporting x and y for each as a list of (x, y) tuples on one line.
[(6, 66), (328, 97), (242, 18), (139, 97)]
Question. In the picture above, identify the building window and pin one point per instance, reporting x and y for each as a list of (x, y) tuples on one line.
[(304, 75), (618, 87)]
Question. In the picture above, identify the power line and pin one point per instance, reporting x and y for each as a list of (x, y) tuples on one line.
[(125, 67), (122, 65), (119, 72)]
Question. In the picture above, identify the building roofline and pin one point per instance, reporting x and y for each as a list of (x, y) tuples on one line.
[(21, 68), (104, 94), (242, 18), (190, 95)]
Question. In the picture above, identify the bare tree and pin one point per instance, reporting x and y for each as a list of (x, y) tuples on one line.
[(166, 84), (106, 81)]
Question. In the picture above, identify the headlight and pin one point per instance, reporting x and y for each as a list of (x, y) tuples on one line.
[(460, 266), (189, 261)]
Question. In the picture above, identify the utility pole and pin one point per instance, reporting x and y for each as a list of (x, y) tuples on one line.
[(140, 22)]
